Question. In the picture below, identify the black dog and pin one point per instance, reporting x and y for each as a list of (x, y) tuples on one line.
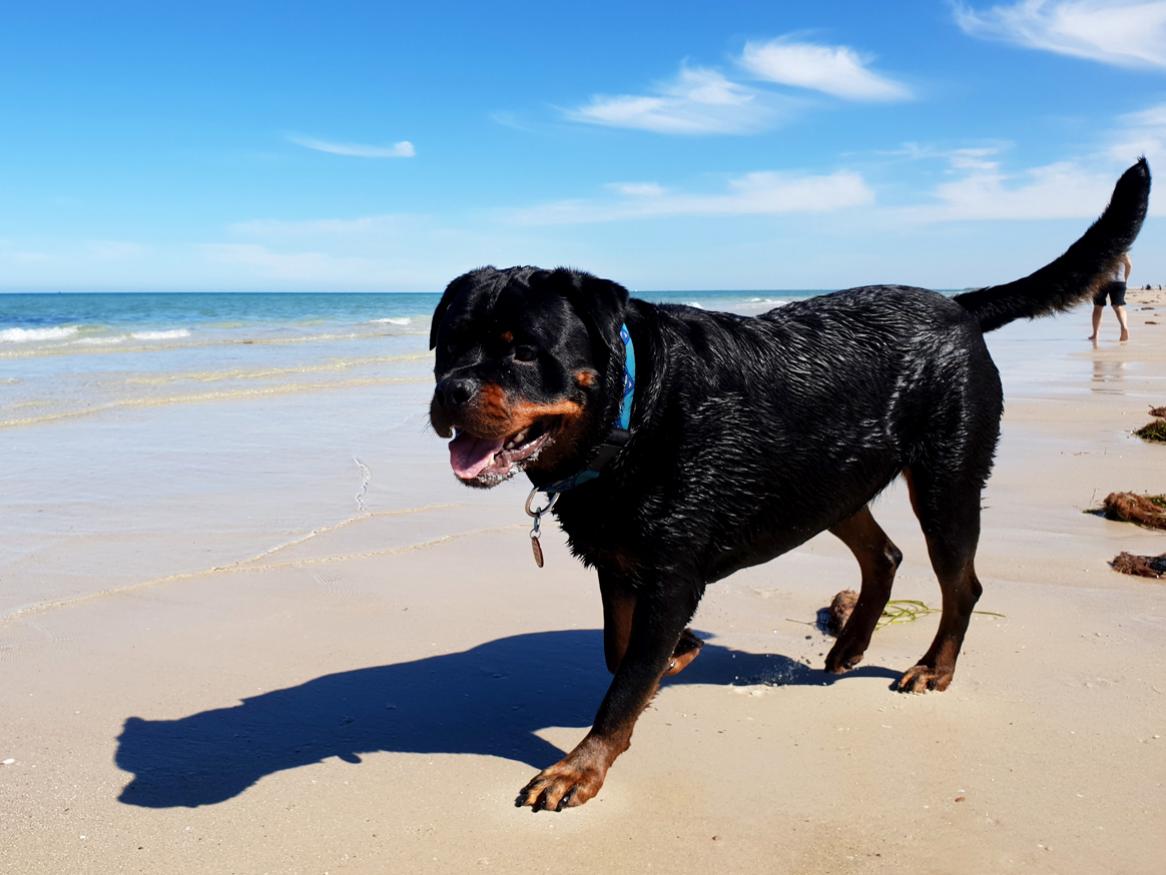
[(748, 436)]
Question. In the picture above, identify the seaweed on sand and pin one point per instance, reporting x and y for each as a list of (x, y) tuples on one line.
[(1153, 431), (1129, 507), (1142, 566), (896, 611)]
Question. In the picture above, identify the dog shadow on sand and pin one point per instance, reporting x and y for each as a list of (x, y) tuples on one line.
[(488, 700)]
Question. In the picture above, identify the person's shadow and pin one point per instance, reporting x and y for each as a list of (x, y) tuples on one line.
[(486, 700)]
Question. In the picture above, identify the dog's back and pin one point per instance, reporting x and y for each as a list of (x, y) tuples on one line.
[(781, 425)]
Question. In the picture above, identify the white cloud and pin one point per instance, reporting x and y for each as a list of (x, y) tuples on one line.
[(403, 149), (115, 250), (10, 253), (978, 186), (836, 70), (981, 190), (697, 101), (636, 189), (382, 224), (304, 267), (1063, 190), (973, 158), (1118, 32), (1140, 133), (365, 253), (759, 193), (957, 158)]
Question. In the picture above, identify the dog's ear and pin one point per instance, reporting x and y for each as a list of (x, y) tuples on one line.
[(600, 303), (455, 288)]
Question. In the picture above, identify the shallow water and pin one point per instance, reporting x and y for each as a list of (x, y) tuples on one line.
[(147, 435)]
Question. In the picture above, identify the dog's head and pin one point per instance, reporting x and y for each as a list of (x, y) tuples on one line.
[(528, 368)]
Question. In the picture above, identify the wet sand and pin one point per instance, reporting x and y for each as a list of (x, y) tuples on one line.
[(370, 697)]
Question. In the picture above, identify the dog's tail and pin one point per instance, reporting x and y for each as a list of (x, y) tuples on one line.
[(1078, 273)]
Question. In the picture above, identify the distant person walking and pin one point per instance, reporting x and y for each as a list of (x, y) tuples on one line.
[(1115, 290)]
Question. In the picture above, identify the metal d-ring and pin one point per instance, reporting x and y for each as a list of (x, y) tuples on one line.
[(536, 513)]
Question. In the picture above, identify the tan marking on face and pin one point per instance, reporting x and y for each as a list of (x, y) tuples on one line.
[(525, 412), (493, 414), (587, 377), (508, 337)]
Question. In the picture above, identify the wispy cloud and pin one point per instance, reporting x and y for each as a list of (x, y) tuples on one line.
[(300, 266), (403, 149), (979, 188), (1140, 133), (1063, 190), (359, 226), (697, 101), (836, 70), (13, 253), (979, 184), (759, 193), (115, 250), (636, 189), (1118, 32), (957, 157)]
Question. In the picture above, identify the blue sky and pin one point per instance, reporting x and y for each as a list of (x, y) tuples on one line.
[(755, 145)]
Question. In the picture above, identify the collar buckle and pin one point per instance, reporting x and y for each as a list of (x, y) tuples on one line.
[(615, 442)]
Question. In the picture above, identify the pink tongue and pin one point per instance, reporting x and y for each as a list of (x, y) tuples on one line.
[(469, 455)]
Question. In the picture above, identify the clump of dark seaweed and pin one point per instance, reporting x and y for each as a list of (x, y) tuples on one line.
[(1142, 566), (1129, 507), (1155, 430)]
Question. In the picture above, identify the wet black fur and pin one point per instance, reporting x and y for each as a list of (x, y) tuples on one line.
[(750, 435)]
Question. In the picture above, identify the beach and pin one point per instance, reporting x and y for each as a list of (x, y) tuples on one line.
[(249, 622)]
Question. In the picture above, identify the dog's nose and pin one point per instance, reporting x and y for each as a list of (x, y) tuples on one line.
[(456, 391)]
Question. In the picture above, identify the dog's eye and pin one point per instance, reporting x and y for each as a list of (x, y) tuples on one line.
[(524, 352)]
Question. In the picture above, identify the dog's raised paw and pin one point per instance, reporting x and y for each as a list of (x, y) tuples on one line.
[(687, 649)]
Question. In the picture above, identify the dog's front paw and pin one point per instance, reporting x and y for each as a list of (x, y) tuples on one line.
[(566, 784), (921, 678)]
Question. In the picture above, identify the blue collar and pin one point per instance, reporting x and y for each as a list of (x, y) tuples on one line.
[(619, 434)]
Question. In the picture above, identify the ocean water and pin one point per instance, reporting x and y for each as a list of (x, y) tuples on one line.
[(72, 355), (148, 435)]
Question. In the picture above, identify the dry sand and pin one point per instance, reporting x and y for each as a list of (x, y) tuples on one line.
[(366, 702)]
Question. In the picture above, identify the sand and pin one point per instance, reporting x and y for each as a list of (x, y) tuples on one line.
[(371, 697)]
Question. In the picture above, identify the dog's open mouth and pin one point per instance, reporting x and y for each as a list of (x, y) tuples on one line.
[(488, 461)]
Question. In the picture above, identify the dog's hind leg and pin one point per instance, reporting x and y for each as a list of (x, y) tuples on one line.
[(878, 558), (619, 606), (949, 512)]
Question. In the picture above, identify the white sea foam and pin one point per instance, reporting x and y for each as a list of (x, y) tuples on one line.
[(102, 341), (391, 320), (173, 334), (31, 335)]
